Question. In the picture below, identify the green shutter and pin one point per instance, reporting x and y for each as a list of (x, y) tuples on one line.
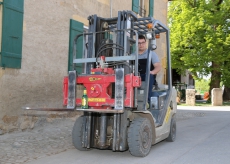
[(135, 6), (12, 26), (151, 8), (75, 29)]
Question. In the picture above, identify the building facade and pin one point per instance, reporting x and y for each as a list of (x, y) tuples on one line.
[(34, 46)]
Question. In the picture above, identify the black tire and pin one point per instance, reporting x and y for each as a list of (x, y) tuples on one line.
[(172, 133), (140, 137), (77, 134)]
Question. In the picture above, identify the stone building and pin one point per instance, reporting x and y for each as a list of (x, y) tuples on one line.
[(34, 48)]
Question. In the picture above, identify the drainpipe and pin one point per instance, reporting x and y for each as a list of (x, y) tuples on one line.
[(111, 8)]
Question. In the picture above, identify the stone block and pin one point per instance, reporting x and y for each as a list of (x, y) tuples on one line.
[(190, 97), (217, 97), (10, 119)]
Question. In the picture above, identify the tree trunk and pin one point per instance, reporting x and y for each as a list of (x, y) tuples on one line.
[(226, 95), (215, 78)]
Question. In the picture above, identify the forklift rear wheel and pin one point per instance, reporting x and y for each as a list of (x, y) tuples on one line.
[(140, 137), (77, 134), (172, 133)]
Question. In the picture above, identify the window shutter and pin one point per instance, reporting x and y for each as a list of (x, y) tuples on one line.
[(151, 8), (135, 6), (75, 29), (12, 26)]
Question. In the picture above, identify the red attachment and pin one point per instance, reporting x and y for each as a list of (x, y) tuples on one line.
[(95, 90), (99, 89), (131, 82), (136, 81), (65, 90)]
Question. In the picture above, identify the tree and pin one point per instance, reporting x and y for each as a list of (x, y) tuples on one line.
[(200, 39)]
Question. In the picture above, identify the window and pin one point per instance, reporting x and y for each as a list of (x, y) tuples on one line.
[(11, 36), (142, 7), (151, 8), (75, 29)]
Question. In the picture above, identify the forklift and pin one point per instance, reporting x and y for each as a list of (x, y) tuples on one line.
[(116, 114)]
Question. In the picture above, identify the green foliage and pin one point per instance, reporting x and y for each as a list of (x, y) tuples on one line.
[(202, 85), (200, 34)]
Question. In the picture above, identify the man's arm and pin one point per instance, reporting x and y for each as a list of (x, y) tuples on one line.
[(157, 68)]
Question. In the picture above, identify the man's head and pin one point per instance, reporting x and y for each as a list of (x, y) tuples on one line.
[(141, 43)]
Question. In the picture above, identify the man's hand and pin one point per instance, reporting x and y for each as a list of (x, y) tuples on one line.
[(157, 68)]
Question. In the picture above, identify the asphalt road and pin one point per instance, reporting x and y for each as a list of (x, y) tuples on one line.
[(203, 137)]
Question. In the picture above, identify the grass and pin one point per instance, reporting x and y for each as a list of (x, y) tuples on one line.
[(226, 103)]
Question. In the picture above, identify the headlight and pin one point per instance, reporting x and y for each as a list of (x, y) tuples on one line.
[(149, 35)]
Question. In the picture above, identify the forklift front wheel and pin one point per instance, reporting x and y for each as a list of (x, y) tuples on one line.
[(77, 134), (172, 133), (140, 137)]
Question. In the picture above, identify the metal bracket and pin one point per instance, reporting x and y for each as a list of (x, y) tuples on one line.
[(71, 90), (119, 89)]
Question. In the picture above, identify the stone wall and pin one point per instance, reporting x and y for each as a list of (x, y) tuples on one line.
[(45, 53)]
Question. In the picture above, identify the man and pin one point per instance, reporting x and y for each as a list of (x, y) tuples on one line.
[(155, 67)]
